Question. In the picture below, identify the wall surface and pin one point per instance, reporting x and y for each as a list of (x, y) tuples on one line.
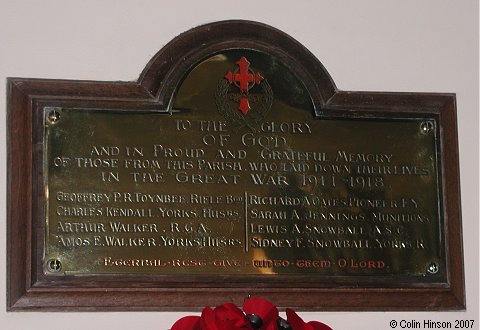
[(371, 45)]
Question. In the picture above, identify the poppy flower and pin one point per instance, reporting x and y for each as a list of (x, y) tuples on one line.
[(257, 314), (265, 310), (223, 317)]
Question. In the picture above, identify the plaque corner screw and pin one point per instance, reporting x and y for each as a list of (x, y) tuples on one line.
[(54, 265), (53, 116), (432, 268), (426, 127)]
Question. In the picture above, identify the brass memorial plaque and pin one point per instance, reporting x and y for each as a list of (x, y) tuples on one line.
[(241, 177), (232, 167)]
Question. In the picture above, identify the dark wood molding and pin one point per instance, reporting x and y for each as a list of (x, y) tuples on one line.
[(29, 290)]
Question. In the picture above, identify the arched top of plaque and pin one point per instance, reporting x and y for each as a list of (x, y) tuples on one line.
[(168, 67)]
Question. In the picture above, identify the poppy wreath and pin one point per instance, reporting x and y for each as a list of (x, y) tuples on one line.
[(257, 314)]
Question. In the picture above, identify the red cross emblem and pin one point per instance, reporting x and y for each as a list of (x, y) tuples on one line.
[(244, 78)]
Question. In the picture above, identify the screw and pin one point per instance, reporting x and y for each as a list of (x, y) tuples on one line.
[(54, 265), (426, 127), (432, 268), (53, 116)]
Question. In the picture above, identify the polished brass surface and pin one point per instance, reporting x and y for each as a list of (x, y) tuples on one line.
[(206, 189)]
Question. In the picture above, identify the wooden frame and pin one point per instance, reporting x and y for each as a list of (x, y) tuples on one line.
[(28, 289)]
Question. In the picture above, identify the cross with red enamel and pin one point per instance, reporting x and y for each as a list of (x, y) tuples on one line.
[(244, 79)]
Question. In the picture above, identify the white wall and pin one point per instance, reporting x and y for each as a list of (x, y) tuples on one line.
[(378, 45)]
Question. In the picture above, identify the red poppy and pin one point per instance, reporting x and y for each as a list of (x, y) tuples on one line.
[(298, 324), (223, 317), (230, 317), (267, 312)]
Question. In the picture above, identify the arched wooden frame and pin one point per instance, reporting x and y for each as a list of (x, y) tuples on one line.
[(28, 289)]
